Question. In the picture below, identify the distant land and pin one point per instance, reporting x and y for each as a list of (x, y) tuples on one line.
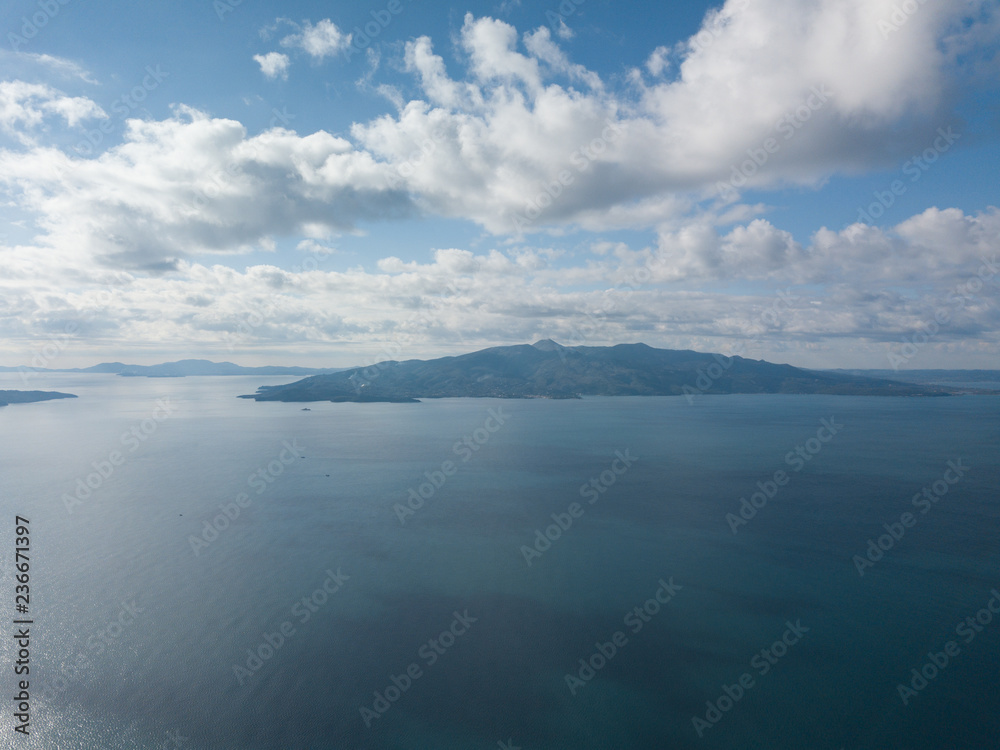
[(546, 369), (974, 378), (181, 369), (29, 397)]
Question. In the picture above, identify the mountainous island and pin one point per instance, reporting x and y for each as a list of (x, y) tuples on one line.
[(180, 369), (28, 397), (546, 369)]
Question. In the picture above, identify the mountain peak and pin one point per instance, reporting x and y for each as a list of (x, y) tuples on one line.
[(547, 345)]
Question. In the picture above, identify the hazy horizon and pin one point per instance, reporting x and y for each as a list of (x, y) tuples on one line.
[(243, 361)]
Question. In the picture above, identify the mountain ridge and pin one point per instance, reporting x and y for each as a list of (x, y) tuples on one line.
[(547, 369)]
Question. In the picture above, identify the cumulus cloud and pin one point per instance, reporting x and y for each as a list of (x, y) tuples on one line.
[(528, 140), (25, 107), (323, 40), (519, 152), (540, 44), (192, 184), (273, 65), (658, 61), (524, 140), (862, 285), (934, 247)]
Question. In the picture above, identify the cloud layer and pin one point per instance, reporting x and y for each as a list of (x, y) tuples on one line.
[(768, 93), (872, 288), (527, 141)]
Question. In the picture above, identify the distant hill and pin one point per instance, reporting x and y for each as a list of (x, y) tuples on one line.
[(548, 370), (28, 397), (975, 379), (181, 369)]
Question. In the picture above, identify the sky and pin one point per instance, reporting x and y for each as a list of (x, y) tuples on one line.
[(330, 184)]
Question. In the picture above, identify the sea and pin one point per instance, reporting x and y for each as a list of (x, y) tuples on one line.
[(739, 571)]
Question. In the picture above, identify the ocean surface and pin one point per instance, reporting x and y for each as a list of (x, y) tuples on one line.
[(178, 600)]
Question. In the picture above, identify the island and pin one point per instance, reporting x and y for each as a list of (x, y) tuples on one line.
[(546, 369), (29, 397)]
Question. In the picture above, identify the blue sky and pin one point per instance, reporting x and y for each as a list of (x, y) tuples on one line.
[(798, 181)]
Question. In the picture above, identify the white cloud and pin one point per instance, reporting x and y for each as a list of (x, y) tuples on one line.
[(34, 64), (539, 43), (192, 184), (861, 286), (491, 46), (935, 247), (323, 40), (25, 107), (658, 61), (62, 66), (273, 65), (434, 80), (524, 132), (819, 79), (506, 147)]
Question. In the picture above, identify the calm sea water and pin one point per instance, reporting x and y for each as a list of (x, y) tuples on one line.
[(137, 630)]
